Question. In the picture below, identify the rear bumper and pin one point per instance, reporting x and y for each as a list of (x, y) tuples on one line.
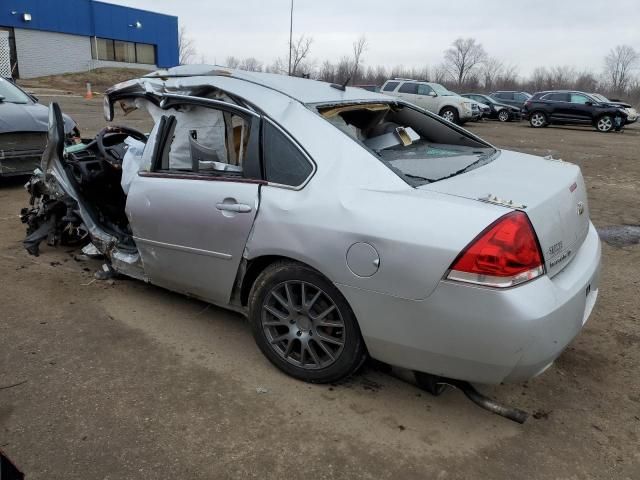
[(479, 334)]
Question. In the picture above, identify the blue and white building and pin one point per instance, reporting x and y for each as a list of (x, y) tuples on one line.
[(47, 37)]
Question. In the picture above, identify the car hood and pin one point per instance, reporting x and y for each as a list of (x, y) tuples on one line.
[(18, 117)]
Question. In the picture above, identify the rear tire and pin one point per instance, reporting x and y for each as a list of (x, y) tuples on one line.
[(604, 123), (303, 324), (450, 114), (503, 115), (538, 120)]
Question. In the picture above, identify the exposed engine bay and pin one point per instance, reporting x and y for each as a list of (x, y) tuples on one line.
[(95, 169)]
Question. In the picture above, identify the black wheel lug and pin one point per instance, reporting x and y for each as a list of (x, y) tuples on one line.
[(299, 333), (292, 321)]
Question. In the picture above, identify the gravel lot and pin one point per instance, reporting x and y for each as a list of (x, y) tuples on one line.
[(126, 380)]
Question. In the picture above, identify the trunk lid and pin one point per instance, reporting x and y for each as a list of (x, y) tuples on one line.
[(551, 192)]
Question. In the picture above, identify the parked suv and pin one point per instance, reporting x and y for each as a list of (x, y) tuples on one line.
[(434, 98), (565, 106), (511, 97)]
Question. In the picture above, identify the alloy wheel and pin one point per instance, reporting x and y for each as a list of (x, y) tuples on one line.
[(303, 325), (503, 116), (537, 120), (605, 124), (449, 115)]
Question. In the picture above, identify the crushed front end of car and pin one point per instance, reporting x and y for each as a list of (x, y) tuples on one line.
[(59, 213)]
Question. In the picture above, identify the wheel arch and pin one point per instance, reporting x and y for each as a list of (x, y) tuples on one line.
[(253, 267), (597, 118), (449, 105)]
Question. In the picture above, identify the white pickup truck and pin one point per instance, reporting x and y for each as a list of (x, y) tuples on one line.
[(434, 98)]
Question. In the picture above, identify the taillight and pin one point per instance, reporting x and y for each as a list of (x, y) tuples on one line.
[(505, 254)]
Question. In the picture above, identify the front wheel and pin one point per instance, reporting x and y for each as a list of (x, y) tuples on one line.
[(304, 325), (604, 123), (538, 119), (503, 116), (450, 114)]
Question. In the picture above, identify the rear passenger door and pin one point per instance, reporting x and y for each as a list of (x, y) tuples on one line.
[(409, 91), (559, 107)]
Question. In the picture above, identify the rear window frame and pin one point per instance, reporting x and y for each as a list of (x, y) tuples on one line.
[(405, 104)]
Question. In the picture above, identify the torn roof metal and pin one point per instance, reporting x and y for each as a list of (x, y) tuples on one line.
[(301, 89)]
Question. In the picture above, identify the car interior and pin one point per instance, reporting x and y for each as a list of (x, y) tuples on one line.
[(418, 147), (198, 140)]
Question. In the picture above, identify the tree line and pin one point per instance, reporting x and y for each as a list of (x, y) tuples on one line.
[(465, 67)]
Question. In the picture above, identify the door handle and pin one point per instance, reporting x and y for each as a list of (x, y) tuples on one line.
[(234, 207)]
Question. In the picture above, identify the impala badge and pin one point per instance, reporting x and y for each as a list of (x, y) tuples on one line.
[(580, 208)]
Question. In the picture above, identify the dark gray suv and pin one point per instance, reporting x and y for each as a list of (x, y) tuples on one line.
[(511, 97)]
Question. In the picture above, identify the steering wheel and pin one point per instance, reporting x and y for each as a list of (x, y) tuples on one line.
[(110, 141)]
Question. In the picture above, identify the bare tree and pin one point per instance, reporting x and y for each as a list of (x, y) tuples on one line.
[(586, 82), (539, 79), (232, 62), (464, 57), (619, 64), (492, 69), (562, 76), (186, 47), (327, 72), (359, 46), (439, 73), (279, 65), (251, 64), (299, 51)]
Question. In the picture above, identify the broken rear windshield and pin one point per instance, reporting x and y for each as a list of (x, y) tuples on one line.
[(419, 148)]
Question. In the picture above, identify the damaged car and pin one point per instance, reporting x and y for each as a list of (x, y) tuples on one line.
[(23, 130), (342, 223)]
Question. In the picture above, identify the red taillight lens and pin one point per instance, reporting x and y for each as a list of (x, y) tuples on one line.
[(505, 254)]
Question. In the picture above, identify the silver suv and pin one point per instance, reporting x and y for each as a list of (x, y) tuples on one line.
[(434, 98)]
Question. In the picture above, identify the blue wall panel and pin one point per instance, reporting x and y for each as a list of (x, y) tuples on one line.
[(89, 18)]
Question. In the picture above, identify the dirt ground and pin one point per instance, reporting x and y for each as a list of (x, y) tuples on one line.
[(130, 381)]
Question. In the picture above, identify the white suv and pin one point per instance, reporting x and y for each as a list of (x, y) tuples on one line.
[(433, 97)]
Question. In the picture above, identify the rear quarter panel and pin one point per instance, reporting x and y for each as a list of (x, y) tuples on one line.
[(353, 197)]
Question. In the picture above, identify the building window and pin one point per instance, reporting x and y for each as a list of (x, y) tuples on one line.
[(118, 51), (104, 49), (145, 53), (125, 51)]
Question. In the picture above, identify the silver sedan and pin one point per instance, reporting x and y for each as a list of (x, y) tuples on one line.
[(341, 222)]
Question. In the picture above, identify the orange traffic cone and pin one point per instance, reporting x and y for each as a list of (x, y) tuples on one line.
[(89, 94)]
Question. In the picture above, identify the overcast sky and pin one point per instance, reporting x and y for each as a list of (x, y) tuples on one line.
[(525, 33)]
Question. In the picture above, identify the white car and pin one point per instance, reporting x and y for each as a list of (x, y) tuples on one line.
[(434, 98)]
